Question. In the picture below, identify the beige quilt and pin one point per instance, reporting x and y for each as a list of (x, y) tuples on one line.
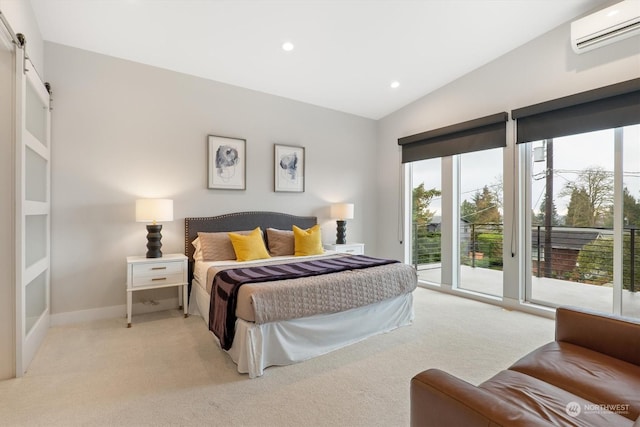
[(328, 293)]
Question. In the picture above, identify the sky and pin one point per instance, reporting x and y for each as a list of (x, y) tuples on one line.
[(571, 155)]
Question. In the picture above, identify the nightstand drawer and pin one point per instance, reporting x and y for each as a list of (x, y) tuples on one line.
[(351, 249), (347, 248), (157, 279), (157, 273), (158, 268)]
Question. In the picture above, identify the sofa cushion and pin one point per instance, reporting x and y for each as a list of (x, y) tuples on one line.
[(609, 334), (549, 402), (594, 376), (439, 399)]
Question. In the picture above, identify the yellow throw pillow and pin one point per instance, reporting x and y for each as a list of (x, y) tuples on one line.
[(250, 246), (307, 242)]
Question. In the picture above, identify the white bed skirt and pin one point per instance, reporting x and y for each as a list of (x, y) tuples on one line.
[(256, 347)]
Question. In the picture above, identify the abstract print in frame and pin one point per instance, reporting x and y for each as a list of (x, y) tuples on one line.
[(289, 168), (227, 163)]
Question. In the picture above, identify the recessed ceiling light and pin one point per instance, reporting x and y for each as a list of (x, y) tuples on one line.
[(287, 46), (395, 84)]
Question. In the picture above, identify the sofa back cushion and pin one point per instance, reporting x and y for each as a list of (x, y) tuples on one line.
[(615, 336)]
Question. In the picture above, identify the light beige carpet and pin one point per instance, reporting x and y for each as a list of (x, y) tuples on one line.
[(167, 370)]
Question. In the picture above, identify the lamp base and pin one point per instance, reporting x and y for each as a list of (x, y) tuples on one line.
[(341, 235), (154, 241)]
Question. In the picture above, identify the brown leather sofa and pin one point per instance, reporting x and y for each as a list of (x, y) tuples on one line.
[(588, 376)]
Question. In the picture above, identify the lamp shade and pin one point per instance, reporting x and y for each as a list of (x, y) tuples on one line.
[(342, 211), (154, 210)]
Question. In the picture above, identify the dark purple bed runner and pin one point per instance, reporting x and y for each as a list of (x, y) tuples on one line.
[(224, 291)]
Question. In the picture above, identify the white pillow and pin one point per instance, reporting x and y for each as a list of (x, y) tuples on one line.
[(197, 255)]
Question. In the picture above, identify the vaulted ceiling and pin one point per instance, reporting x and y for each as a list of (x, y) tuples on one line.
[(346, 53)]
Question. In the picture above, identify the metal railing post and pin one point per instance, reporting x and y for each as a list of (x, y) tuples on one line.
[(632, 270), (414, 252), (538, 248), (473, 245)]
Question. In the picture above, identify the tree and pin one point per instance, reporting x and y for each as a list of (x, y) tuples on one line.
[(426, 244), (497, 190), (539, 219), (631, 209), (579, 211), (486, 207), (595, 262), (483, 209), (468, 211), (421, 201), (591, 195)]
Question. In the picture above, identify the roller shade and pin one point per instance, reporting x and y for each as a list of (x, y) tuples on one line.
[(474, 135), (603, 108)]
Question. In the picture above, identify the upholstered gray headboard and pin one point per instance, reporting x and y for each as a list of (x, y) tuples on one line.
[(239, 221)]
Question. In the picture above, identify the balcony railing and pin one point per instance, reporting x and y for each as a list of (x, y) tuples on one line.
[(576, 254)]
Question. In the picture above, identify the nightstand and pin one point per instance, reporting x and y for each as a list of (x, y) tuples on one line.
[(153, 273), (350, 248)]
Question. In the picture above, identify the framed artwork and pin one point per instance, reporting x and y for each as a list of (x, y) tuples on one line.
[(289, 168), (227, 163)]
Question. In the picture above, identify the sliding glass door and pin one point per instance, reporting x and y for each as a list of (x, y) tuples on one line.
[(631, 221), (456, 211), (572, 209), (480, 233), (580, 184), (426, 219)]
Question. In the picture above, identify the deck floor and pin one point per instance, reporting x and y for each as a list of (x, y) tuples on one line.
[(544, 290)]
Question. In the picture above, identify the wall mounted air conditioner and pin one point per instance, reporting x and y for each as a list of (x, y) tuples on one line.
[(606, 26)]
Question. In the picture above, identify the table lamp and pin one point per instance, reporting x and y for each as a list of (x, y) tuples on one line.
[(341, 212), (153, 211)]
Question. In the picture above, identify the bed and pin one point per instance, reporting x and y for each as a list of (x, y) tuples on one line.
[(290, 320)]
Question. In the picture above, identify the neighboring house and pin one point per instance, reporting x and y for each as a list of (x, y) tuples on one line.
[(465, 230), (566, 244), (436, 222), (434, 225)]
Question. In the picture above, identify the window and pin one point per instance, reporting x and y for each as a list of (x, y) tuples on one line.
[(572, 217), (438, 242), (583, 197), (480, 220), (426, 219)]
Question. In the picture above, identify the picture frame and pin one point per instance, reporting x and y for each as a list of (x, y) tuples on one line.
[(289, 168), (227, 162)]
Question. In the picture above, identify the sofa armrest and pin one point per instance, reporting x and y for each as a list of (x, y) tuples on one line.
[(615, 336), (439, 399)]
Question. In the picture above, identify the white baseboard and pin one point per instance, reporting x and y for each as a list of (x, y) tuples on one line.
[(111, 312)]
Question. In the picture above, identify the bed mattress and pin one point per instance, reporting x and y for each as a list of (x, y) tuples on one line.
[(303, 297)]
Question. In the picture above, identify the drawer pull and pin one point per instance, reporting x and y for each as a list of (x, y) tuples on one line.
[(350, 250), (158, 268), (155, 279)]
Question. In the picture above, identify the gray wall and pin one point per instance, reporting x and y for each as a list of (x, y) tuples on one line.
[(122, 130)]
